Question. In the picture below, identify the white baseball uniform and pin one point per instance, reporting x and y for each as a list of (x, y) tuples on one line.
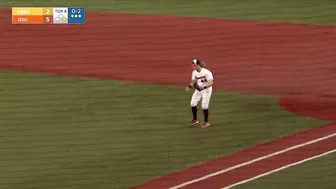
[(203, 76)]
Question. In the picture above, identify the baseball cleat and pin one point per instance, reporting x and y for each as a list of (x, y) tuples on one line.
[(206, 124), (193, 122)]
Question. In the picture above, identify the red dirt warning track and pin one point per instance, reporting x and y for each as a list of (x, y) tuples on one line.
[(294, 62)]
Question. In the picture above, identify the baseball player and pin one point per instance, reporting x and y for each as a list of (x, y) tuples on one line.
[(201, 81)]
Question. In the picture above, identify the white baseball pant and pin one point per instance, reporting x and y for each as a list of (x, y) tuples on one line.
[(203, 95)]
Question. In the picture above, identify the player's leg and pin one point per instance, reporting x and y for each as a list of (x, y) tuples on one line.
[(196, 97), (206, 96)]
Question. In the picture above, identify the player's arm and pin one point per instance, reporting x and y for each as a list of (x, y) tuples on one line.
[(210, 80), (208, 84), (192, 82), (191, 85)]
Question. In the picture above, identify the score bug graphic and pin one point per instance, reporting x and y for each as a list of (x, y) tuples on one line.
[(48, 15)]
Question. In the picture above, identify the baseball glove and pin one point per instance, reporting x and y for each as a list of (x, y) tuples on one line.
[(197, 87)]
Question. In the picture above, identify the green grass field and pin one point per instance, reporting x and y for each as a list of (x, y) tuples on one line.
[(60, 125), (64, 132)]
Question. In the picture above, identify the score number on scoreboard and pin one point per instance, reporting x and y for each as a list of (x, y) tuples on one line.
[(46, 15)]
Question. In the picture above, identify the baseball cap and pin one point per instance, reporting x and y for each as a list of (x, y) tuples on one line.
[(196, 62)]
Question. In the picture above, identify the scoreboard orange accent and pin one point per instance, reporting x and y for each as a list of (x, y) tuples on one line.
[(28, 19)]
